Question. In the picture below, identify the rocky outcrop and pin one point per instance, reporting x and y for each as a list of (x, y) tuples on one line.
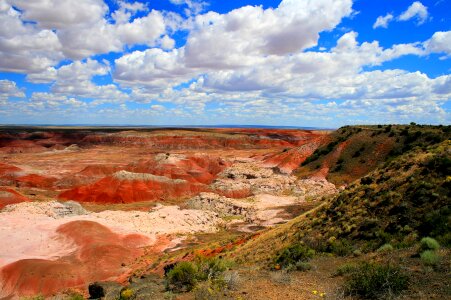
[(244, 179), (314, 188), (222, 205)]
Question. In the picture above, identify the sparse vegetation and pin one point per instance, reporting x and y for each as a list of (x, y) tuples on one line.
[(183, 276), (428, 243), (76, 296), (430, 258), (385, 248), (292, 255), (344, 269), (374, 281), (186, 275), (370, 144), (126, 294)]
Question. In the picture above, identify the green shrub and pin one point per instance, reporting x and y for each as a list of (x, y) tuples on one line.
[(344, 269), (385, 248), (374, 281), (126, 294), (341, 248), (76, 296), (430, 258), (210, 268), (39, 297), (183, 276), (206, 291), (301, 266), (294, 254), (429, 243)]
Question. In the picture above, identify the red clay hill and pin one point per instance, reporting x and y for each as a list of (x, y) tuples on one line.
[(99, 254)]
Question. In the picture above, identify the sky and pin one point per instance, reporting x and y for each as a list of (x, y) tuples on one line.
[(320, 63)]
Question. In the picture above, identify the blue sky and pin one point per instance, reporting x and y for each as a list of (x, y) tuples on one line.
[(322, 63)]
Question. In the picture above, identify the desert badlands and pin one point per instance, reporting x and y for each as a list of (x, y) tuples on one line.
[(224, 213), (84, 205)]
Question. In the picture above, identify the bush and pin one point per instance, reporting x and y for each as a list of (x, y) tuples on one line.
[(430, 258), (294, 254), (429, 243), (366, 180), (344, 270), (301, 266), (76, 296), (206, 291), (373, 281), (385, 248), (281, 277), (183, 276), (210, 268), (126, 294), (341, 248), (231, 280)]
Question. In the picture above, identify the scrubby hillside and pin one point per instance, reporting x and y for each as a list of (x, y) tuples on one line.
[(405, 199), (354, 151)]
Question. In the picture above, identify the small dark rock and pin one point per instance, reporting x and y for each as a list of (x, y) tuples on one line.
[(104, 290)]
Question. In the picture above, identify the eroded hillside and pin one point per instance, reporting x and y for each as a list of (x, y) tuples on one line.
[(148, 199)]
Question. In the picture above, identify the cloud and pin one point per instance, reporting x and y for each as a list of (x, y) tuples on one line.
[(76, 80), (61, 14), (36, 35), (440, 42), (127, 10), (153, 68), (23, 47), (9, 89), (383, 21), (245, 35), (291, 85), (194, 6), (416, 10), (102, 37), (250, 65)]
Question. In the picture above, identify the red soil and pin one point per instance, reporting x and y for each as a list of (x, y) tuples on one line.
[(8, 173), (330, 159), (98, 171), (100, 255), (34, 180), (195, 169), (12, 175), (290, 159), (10, 196), (113, 190), (196, 172), (7, 170)]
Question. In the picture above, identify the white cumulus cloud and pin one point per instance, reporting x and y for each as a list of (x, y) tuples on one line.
[(382, 21), (416, 10), (9, 89)]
